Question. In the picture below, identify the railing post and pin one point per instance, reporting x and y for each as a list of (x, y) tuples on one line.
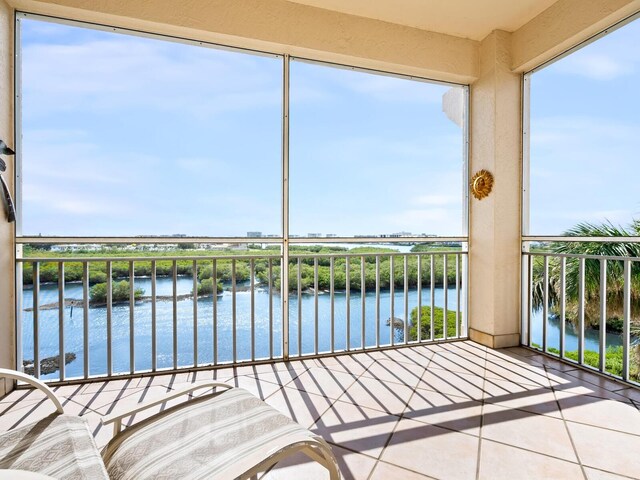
[(284, 269), (109, 271), (626, 324), (581, 300), (61, 348), (563, 305), (132, 320), (195, 312), (36, 322), (603, 315), (545, 302), (154, 327), (85, 316)]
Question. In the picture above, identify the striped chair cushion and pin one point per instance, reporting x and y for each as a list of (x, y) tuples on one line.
[(60, 446), (219, 436)]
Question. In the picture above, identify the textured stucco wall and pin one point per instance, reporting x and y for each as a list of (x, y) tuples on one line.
[(564, 25), (494, 247), (283, 27), (7, 287)]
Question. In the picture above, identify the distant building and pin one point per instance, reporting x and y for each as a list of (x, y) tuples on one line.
[(254, 234), (314, 235), (331, 235)]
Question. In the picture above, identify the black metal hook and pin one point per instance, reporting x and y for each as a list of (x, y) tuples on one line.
[(6, 194)]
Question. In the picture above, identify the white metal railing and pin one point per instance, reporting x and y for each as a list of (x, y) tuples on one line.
[(571, 301), (337, 302)]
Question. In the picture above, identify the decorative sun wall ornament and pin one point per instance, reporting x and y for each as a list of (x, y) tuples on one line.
[(481, 184)]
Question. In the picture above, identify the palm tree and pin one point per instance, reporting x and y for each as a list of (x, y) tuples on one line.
[(615, 274)]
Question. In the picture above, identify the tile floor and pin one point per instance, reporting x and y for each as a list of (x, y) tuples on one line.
[(447, 411)]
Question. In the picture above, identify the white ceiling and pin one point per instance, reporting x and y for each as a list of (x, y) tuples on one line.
[(473, 19)]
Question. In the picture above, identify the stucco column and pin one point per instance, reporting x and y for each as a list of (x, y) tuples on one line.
[(7, 287), (494, 233)]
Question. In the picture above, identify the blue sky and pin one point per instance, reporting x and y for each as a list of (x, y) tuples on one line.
[(124, 135), (585, 135)]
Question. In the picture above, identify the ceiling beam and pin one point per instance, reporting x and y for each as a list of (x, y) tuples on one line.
[(562, 26), (283, 27)]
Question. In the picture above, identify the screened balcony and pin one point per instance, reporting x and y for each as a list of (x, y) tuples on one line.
[(410, 228)]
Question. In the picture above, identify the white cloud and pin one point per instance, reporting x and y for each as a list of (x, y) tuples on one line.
[(119, 72), (583, 168), (317, 81), (597, 66), (609, 58)]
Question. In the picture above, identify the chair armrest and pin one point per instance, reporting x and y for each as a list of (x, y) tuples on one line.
[(116, 418), (23, 377)]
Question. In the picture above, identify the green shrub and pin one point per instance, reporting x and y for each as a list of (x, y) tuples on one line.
[(205, 287), (613, 361), (425, 323), (120, 292)]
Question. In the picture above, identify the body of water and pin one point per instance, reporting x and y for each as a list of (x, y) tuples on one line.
[(73, 325), (591, 336)]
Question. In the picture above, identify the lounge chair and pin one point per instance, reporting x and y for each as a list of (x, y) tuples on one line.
[(226, 435)]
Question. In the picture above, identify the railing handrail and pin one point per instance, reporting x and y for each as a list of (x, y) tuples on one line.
[(39, 240), (375, 254), (160, 258), (588, 239), (581, 255)]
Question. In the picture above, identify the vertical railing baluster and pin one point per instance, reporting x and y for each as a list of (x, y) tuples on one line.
[(36, 318), (252, 269), (270, 308), (626, 322), (545, 301), (563, 304), (19, 309), (603, 315), (392, 281), (363, 292), (132, 306), (85, 316), (315, 303), (234, 324), (465, 294), (445, 287), (377, 301), (432, 274), (458, 296), (332, 295), (406, 299), (109, 272), (530, 294), (195, 312), (214, 313), (174, 275), (154, 326), (299, 285), (348, 300), (581, 311), (419, 315), (61, 358)]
